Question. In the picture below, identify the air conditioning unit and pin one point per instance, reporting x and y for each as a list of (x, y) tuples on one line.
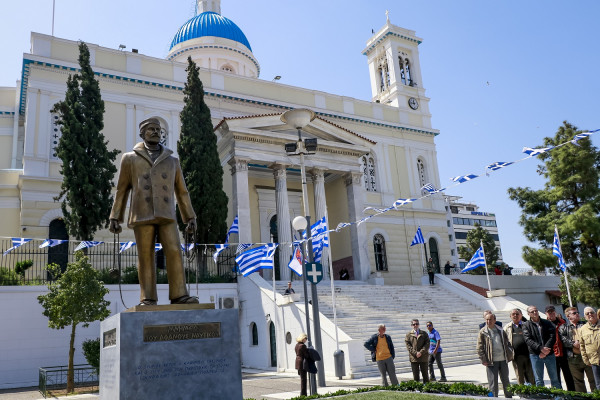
[(228, 302)]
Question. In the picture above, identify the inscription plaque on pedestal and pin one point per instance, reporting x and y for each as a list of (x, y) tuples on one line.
[(189, 354)]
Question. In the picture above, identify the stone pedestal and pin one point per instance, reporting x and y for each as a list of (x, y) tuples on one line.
[(171, 354)]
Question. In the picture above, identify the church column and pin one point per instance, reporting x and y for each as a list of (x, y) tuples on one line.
[(284, 230), (358, 233), (318, 177), (241, 197)]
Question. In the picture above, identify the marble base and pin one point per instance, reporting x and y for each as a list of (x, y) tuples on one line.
[(176, 354)]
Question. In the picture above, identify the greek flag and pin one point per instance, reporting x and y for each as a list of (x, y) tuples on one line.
[(478, 260), (498, 164), (582, 135), (220, 248), (463, 178), (242, 246), (157, 247), (320, 238), (52, 243), (401, 202), (234, 228), (534, 152), (125, 246), (16, 242), (342, 225), (429, 188), (296, 261), (87, 244), (258, 258), (190, 247), (418, 239), (557, 251)]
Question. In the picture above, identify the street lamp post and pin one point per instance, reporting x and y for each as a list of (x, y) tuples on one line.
[(299, 118)]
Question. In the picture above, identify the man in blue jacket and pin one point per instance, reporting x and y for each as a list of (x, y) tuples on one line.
[(382, 350)]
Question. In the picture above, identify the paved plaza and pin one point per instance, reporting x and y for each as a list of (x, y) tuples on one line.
[(272, 386)]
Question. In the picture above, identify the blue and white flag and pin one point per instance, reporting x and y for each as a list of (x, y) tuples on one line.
[(125, 246), (534, 152), (157, 247), (234, 228), (429, 188), (342, 225), (258, 258), (582, 135), (242, 246), (557, 251), (498, 164), (320, 238), (17, 242), (418, 239), (220, 248), (87, 244), (463, 178), (401, 202), (52, 242), (190, 247), (296, 261), (478, 260)]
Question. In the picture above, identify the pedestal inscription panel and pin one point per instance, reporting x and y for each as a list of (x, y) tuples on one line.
[(191, 354)]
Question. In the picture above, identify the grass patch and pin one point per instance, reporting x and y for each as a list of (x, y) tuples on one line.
[(394, 395)]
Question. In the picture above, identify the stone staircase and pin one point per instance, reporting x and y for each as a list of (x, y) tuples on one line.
[(362, 307)]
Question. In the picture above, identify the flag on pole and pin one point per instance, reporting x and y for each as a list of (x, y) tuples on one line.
[(320, 238), (234, 228), (87, 244), (557, 251), (220, 248), (52, 243), (478, 260), (126, 246), (17, 242), (258, 258), (418, 239), (296, 261)]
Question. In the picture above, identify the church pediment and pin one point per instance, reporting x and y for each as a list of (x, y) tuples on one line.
[(270, 124)]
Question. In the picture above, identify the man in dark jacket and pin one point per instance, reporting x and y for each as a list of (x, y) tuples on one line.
[(562, 362), (540, 336), (382, 351), (571, 346)]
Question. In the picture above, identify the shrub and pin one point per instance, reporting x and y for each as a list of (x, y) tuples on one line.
[(8, 277), (91, 351), (22, 266)]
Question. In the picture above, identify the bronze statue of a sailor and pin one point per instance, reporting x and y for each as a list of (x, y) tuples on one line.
[(154, 178)]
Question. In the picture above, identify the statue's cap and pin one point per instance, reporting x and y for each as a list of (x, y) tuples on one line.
[(149, 121)]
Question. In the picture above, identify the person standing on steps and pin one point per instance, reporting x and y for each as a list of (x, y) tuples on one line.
[(382, 351), (431, 270), (435, 353), (417, 344)]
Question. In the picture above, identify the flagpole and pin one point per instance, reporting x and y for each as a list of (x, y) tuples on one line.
[(53, 8), (275, 307), (485, 264), (565, 271)]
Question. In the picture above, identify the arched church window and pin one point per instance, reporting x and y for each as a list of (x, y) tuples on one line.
[(402, 71), (368, 169), (379, 250), (55, 134), (421, 172), (383, 73), (253, 334)]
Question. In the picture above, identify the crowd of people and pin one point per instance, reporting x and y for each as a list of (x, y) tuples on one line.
[(569, 347)]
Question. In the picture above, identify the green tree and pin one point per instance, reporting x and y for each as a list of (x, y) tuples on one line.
[(74, 297), (474, 239), (87, 165), (200, 163), (571, 201)]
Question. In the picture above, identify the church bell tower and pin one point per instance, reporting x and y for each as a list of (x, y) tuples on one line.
[(394, 68)]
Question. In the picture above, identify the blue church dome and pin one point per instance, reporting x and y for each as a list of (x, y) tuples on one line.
[(210, 24)]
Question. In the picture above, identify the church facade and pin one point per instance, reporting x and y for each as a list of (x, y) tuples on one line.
[(369, 154)]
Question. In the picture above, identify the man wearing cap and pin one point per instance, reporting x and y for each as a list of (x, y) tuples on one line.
[(154, 178), (562, 362)]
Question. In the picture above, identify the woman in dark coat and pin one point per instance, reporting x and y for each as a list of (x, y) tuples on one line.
[(301, 354)]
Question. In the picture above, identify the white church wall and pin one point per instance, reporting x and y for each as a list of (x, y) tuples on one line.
[(28, 344)]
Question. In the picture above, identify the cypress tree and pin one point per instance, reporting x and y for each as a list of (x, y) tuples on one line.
[(87, 165), (200, 163)]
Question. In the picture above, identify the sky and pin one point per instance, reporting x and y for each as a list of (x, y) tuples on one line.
[(500, 75)]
